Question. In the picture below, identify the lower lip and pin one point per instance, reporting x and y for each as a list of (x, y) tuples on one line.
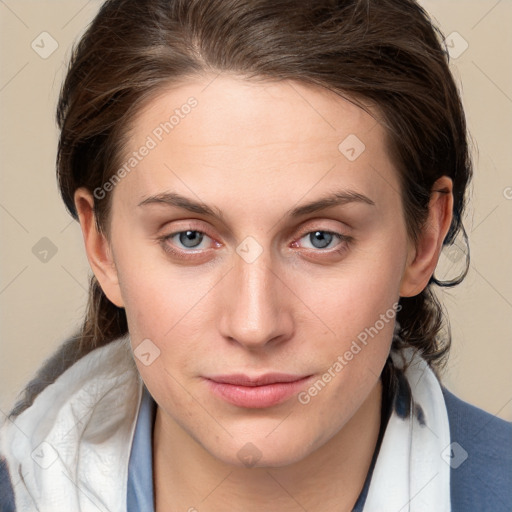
[(256, 397)]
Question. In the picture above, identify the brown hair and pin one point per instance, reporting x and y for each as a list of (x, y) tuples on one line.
[(386, 53)]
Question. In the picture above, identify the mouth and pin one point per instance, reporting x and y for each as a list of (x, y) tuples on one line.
[(256, 392)]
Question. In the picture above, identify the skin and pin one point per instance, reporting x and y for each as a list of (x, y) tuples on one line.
[(255, 151)]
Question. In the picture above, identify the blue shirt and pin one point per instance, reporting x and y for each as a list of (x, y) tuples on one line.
[(140, 468)]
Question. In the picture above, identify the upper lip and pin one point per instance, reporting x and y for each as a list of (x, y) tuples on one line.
[(240, 379)]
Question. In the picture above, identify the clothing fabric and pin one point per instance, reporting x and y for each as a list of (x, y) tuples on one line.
[(411, 473), (140, 469), (70, 450), (481, 476)]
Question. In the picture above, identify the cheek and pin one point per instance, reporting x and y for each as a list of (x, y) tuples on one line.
[(153, 290), (354, 296), (163, 315), (358, 310), (161, 304), (169, 305), (353, 357)]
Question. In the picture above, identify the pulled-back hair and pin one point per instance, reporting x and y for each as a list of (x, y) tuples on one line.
[(384, 53)]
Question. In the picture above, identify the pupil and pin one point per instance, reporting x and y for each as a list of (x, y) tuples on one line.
[(324, 237), (187, 238)]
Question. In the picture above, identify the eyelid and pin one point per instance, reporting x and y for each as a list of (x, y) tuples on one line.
[(320, 225), (190, 225)]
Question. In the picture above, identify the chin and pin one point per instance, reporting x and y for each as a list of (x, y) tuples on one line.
[(260, 451)]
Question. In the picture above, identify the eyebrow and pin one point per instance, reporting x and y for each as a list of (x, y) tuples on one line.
[(337, 198)]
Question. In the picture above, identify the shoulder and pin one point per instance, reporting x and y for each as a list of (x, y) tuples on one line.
[(6, 488), (95, 402), (481, 458)]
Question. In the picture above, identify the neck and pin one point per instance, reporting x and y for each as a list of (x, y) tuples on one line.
[(187, 477)]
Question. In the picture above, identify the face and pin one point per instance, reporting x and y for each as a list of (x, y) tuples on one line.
[(223, 269)]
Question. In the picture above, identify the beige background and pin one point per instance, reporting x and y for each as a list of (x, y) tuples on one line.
[(42, 302)]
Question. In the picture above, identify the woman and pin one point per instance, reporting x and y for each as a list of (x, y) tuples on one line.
[(264, 189)]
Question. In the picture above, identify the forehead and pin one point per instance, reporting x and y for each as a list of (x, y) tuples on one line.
[(267, 111), (225, 134)]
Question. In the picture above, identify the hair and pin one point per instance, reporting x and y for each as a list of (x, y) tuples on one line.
[(384, 53)]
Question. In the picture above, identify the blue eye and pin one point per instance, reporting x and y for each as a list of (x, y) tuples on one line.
[(321, 239), (191, 239)]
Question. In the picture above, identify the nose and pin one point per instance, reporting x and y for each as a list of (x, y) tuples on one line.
[(257, 303)]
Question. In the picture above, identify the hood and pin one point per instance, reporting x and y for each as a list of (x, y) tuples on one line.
[(69, 451)]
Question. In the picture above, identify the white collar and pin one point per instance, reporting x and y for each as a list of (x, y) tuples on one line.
[(412, 473)]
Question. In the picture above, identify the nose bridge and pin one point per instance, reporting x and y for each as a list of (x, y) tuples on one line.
[(255, 313)]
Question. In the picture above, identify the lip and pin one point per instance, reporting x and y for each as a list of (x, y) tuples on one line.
[(256, 392)]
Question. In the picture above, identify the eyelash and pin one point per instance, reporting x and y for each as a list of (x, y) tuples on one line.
[(345, 241)]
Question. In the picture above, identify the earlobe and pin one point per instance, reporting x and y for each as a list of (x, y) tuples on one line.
[(423, 257), (97, 247)]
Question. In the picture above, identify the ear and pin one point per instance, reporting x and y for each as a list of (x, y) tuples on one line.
[(424, 255), (97, 247)]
